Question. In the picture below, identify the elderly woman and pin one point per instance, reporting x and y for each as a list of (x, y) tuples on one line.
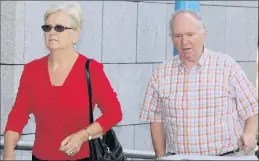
[(54, 89)]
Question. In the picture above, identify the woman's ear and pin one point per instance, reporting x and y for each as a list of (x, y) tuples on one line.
[(76, 35)]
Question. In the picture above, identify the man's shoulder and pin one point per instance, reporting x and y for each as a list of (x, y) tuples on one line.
[(168, 64), (220, 56)]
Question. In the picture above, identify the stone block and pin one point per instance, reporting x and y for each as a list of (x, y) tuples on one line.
[(215, 22), (151, 39), (12, 32), (237, 3), (10, 82), (125, 135), (143, 140), (34, 36), (242, 33), (250, 70), (169, 43), (119, 32), (90, 43), (26, 155), (132, 87)]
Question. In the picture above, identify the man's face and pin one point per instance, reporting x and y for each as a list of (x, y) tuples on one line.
[(188, 36)]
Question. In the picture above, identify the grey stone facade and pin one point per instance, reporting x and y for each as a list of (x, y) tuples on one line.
[(131, 39)]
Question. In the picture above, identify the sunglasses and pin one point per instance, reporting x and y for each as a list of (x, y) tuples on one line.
[(58, 28)]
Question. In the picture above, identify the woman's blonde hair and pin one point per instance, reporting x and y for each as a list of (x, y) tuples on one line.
[(73, 9)]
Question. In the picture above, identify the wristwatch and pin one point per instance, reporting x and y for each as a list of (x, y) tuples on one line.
[(89, 134)]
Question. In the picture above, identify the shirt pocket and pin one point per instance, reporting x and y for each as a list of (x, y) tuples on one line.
[(214, 104), (223, 94), (172, 106)]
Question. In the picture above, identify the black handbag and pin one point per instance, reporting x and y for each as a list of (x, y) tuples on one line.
[(107, 148)]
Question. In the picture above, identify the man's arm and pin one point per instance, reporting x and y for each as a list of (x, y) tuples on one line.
[(246, 98), (158, 138), (151, 112), (247, 107)]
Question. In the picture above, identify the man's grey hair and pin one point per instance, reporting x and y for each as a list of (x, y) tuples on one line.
[(194, 14)]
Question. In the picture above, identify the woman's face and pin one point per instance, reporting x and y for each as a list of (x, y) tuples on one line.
[(59, 38)]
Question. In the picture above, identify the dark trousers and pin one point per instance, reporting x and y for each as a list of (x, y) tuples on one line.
[(84, 159)]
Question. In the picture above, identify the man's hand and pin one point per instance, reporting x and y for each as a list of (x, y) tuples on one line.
[(247, 143), (72, 144)]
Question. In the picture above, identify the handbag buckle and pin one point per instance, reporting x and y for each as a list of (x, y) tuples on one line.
[(108, 149)]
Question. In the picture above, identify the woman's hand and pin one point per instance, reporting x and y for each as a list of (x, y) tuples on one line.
[(72, 144), (12, 157)]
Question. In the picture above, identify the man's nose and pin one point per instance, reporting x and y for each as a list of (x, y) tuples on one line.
[(185, 40)]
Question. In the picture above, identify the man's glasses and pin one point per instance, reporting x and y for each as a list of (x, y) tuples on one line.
[(58, 28)]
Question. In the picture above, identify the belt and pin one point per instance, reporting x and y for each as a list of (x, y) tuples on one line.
[(230, 152)]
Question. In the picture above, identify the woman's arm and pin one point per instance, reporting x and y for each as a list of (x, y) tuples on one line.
[(95, 130), (18, 116), (106, 98), (11, 138)]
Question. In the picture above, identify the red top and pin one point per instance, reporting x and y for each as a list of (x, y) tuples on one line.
[(60, 111)]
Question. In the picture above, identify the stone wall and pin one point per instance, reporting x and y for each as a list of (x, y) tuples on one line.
[(130, 39)]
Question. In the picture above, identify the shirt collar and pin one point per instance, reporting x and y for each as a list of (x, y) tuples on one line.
[(200, 63), (203, 57)]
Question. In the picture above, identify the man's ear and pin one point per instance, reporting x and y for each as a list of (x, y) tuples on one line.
[(171, 35), (205, 32)]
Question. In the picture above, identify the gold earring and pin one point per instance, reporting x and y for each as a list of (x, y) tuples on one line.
[(74, 45)]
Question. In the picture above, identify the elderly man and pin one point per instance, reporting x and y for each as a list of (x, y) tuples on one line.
[(200, 102)]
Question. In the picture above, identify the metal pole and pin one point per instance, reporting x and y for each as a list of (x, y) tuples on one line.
[(186, 5)]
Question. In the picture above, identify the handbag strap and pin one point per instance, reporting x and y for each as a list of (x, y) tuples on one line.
[(87, 64)]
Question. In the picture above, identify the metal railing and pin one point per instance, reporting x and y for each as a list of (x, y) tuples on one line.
[(134, 154), (27, 145)]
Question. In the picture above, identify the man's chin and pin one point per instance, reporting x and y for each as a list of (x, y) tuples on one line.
[(188, 56)]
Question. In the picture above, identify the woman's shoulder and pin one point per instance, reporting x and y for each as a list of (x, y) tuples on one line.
[(39, 62), (94, 64), (33, 67)]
